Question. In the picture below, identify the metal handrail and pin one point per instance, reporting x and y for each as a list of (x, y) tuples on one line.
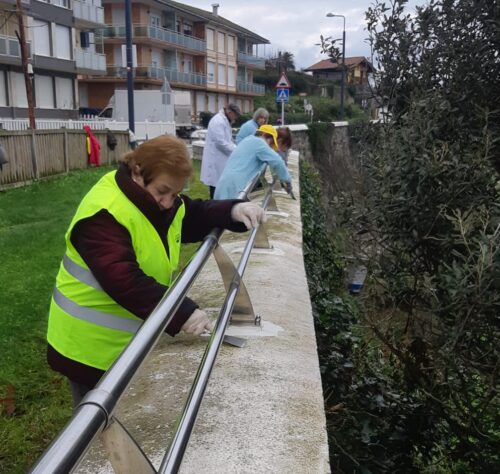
[(173, 459), (94, 412)]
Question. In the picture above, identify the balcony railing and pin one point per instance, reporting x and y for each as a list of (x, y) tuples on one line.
[(153, 72), (250, 87), (196, 79), (251, 60), (90, 60), (153, 32), (9, 46), (92, 12)]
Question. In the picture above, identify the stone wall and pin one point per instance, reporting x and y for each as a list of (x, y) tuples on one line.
[(332, 157)]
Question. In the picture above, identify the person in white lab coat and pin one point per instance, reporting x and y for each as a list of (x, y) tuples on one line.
[(218, 145)]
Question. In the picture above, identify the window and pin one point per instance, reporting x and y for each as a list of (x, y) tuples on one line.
[(221, 101), (41, 37), (64, 98), (18, 90), (63, 42), (212, 106), (60, 3), (221, 74), (188, 63), (231, 76), (210, 39), (188, 28), (155, 58), (200, 102), (3, 90), (230, 45), (44, 92), (210, 72), (154, 20), (221, 38), (118, 16)]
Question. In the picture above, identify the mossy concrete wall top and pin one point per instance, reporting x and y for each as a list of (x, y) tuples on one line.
[(263, 409)]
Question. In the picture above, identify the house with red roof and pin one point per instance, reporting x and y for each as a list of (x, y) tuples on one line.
[(358, 70)]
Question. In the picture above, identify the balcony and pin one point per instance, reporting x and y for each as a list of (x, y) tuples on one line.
[(10, 49), (159, 73), (88, 12), (155, 33), (252, 61), (89, 61), (250, 88), (195, 79)]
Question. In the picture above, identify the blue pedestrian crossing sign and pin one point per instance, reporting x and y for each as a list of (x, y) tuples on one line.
[(282, 94)]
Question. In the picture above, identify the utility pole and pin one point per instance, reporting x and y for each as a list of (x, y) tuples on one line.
[(342, 83), (21, 36), (130, 69)]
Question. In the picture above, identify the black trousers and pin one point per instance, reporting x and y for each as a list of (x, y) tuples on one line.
[(211, 189), (78, 391)]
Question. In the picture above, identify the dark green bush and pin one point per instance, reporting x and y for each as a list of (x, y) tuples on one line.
[(205, 118), (423, 391)]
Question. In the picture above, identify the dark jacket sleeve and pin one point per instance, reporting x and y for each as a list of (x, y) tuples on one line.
[(202, 216), (106, 247)]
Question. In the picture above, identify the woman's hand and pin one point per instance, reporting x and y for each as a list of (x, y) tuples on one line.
[(198, 323), (249, 213)]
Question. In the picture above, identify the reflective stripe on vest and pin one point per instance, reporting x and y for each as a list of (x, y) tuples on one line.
[(95, 317), (80, 273)]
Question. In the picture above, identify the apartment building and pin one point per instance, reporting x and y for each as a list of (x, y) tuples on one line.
[(62, 47), (194, 49)]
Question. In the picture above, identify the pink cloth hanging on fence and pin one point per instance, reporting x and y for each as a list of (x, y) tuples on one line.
[(93, 147)]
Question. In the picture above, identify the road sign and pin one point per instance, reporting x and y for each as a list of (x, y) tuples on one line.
[(283, 82), (282, 94)]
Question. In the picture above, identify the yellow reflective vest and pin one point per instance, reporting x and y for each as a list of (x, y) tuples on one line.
[(85, 324)]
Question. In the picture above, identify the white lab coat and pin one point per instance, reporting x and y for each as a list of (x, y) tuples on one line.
[(218, 146)]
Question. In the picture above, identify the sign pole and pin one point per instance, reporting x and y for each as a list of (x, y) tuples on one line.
[(282, 93)]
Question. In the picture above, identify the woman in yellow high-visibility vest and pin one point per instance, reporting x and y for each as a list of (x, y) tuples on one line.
[(122, 251)]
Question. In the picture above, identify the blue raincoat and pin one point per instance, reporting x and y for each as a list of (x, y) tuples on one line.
[(245, 161)]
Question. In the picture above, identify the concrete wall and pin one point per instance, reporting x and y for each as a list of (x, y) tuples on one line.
[(332, 158), (263, 411)]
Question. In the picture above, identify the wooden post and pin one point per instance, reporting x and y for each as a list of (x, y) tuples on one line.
[(66, 156), (33, 155)]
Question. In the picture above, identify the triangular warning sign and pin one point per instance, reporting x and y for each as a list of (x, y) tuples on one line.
[(283, 81)]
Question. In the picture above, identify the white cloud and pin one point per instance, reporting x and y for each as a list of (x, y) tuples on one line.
[(296, 25)]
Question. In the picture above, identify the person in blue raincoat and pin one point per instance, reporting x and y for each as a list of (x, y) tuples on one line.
[(247, 159), (260, 117)]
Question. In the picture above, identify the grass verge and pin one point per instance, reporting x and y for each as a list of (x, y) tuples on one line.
[(34, 401)]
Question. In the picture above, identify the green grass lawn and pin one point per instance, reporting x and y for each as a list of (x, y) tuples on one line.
[(33, 221)]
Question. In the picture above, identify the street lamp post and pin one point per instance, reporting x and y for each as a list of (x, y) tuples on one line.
[(342, 80)]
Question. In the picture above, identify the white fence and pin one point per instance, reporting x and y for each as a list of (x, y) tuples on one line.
[(143, 130)]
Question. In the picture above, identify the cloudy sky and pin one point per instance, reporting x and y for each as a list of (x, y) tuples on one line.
[(296, 25)]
